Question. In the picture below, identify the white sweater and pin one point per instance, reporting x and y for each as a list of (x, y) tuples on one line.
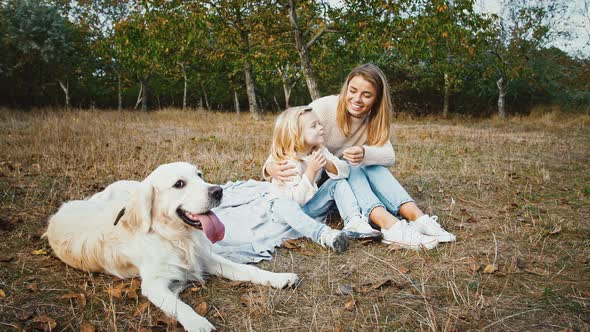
[(299, 188), (336, 142)]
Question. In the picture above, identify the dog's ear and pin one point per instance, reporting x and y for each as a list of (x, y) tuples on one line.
[(137, 215)]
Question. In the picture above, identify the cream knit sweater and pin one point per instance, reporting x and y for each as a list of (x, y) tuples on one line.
[(336, 142)]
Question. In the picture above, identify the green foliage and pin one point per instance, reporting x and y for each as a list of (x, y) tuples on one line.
[(427, 48)]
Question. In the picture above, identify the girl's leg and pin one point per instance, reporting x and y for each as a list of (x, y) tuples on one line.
[(389, 191), (289, 212), (369, 203)]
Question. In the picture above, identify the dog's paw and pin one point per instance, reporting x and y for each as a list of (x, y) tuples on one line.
[(198, 324), (285, 280)]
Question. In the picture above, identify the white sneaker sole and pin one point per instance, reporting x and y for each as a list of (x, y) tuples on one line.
[(427, 246)]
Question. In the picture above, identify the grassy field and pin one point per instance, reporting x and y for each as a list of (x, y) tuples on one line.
[(516, 194)]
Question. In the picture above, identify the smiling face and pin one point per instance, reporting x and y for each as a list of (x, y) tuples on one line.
[(312, 130), (184, 199), (360, 97)]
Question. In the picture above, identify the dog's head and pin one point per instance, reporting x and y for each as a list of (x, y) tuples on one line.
[(173, 198)]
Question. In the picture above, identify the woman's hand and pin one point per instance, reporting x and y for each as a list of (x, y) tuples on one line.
[(354, 155), (281, 170)]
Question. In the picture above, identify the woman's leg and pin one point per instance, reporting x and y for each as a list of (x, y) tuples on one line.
[(369, 203), (389, 191)]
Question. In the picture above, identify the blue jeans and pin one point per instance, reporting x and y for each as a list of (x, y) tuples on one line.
[(375, 186), (305, 219), (332, 192)]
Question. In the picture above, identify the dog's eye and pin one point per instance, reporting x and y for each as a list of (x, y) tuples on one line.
[(179, 184)]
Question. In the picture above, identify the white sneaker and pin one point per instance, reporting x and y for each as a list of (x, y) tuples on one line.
[(334, 239), (401, 234), (358, 227), (428, 225)]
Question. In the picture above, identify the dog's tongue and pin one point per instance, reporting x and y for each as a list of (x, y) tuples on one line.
[(213, 228)]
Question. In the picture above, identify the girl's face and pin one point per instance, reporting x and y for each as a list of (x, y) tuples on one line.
[(360, 96), (312, 130)]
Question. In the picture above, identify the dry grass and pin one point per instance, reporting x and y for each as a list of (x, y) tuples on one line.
[(516, 194)]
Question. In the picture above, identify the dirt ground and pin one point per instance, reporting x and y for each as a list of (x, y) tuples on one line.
[(516, 193)]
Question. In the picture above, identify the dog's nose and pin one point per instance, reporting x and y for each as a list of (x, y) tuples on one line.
[(216, 192)]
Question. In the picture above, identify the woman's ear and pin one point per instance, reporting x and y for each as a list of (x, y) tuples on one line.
[(137, 215)]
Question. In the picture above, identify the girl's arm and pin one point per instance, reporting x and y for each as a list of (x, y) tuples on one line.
[(335, 167), (298, 187)]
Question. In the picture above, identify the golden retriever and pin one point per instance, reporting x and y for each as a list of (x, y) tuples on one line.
[(160, 229)]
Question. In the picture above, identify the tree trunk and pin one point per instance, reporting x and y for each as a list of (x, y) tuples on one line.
[(501, 97), (303, 51), (66, 90), (205, 96), (446, 97), (182, 67), (250, 88), (287, 90), (119, 93), (144, 96), (236, 102), (139, 95)]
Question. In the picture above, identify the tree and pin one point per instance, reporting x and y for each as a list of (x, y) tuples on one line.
[(40, 46), (519, 31)]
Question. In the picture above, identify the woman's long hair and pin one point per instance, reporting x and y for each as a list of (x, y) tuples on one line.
[(287, 138), (378, 127)]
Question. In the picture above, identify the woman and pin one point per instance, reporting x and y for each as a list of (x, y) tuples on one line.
[(357, 128)]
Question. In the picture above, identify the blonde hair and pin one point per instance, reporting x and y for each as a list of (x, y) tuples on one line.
[(287, 138), (378, 128)]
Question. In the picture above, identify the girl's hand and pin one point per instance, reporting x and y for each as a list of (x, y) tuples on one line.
[(354, 155), (317, 161), (281, 170)]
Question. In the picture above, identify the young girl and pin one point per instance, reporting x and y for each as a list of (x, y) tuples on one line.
[(298, 140)]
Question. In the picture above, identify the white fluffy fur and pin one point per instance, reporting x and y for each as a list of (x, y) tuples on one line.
[(150, 241)]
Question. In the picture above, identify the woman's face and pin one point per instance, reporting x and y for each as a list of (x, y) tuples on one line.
[(360, 96)]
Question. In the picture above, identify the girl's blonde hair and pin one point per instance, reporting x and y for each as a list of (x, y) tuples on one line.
[(378, 128), (287, 138)]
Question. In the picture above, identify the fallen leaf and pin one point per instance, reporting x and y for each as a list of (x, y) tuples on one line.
[(490, 268), (131, 294), (6, 259), (2, 294), (219, 314), (404, 270), (586, 293), (474, 267), (86, 326), (344, 290), (80, 297), (382, 283), (394, 247), (114, 292), (201, 308), (555, 230), (135, 284), (291, 244), (26, 315), (339, 327), (39, 252), (195, 289), (350, 304), (237, 283), (141, 309), (33, 287), (45, 322)]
